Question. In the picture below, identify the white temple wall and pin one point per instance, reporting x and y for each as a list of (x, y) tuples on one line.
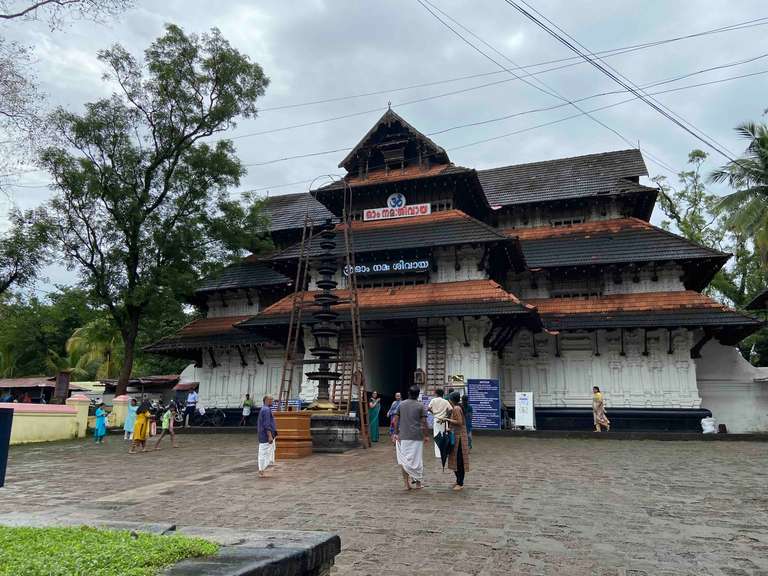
[(667, 279), (634, 380), (468, 259), (732, 389), (226, 385), (537, 216), (473, 361), (662, 279), (236, 305)]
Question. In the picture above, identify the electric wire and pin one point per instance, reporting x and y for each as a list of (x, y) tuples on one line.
[(573, 45), (573, 61)]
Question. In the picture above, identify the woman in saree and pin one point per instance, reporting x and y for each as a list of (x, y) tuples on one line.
[(598, 410), (374, 407)]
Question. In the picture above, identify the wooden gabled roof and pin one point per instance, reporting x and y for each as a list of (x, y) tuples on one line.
[(604, 174), (374, 137)]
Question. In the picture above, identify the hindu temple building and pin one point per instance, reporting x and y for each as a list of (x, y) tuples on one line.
[(547, 276)]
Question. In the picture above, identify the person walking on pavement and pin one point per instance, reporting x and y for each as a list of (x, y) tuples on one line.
[(598, 411), (101, 424), (169, 416), (247, 405), (411, 433), (191, 407), (439, 407), (458, 460), (267, 429), (391, 413), (130, 420)]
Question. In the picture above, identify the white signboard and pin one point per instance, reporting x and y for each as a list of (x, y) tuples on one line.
[(524, 409), (399, 212)]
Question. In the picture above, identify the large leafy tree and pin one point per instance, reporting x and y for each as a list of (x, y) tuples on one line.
[(747, 206), (23, 250), (21, 100), (142, 205), (697, 214)]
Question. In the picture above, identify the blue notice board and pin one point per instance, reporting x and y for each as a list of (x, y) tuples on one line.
[(485, 398)]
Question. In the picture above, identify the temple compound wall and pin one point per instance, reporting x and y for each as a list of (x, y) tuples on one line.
[(735, 391)]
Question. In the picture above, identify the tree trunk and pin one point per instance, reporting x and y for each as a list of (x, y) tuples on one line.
[(129, 343)]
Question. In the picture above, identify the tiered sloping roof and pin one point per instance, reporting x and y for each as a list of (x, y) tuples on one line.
[(447, 299), (247, 274), (216, 332), (645, 310), (626, 240), (286, 212), (603, 174), (759, 302), (447, 228)]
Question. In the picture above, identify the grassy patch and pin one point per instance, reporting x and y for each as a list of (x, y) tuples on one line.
[(92, 552)]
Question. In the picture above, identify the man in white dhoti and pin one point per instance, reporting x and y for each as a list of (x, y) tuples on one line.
[(411, 434), (440, 408), (267, 429)]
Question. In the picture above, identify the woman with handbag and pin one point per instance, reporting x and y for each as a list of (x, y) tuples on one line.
[(458, 459)]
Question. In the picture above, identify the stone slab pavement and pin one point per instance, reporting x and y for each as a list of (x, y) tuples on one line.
[(531, 506)]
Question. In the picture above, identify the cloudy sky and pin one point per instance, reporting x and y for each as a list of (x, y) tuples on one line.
[(315, 50)]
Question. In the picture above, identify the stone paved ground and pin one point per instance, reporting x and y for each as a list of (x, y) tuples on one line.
[(532, 506)]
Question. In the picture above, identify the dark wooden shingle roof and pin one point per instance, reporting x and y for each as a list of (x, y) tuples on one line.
[(243, 275), (287, 212), (445, 228), (564, 178), (606, 242)]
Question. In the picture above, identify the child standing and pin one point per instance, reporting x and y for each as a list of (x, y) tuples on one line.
[(101, 424), (167, 422), (141, 428), (130, 420)]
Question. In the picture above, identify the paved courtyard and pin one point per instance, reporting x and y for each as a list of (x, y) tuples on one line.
[(532, 506)]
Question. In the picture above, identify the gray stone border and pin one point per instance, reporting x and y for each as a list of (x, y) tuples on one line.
[(241, 552)]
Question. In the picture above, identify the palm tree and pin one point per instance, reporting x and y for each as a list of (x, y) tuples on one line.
[(98, 345), (66, 363), (747, 207)]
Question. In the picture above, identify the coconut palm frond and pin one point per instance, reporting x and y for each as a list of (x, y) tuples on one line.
[(734, 201)]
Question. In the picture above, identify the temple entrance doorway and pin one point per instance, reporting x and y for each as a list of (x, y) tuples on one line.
[(390, 361)]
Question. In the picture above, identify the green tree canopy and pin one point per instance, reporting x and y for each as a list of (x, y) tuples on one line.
[(747, 206), (141, 206), (23, 250)]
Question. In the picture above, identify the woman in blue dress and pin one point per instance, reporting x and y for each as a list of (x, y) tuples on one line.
[(130, 420), (101, 424)]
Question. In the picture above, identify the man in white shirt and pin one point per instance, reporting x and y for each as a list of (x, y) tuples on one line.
[(191, 406), (440, 408)]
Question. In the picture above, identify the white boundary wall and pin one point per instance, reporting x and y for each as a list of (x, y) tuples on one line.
[(731, 388)]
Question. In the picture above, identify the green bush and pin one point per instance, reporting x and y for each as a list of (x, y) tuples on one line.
[(93, 552)]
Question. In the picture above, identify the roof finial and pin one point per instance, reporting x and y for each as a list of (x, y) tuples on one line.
[(389, 104)]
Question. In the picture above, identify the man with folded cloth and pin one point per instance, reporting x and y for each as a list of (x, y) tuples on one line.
[(440, 408), (267, 429), (411, 433)]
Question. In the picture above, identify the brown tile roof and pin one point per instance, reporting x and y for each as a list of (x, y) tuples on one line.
[(382, 176), (644, 301), (585, 228), (647, 310), (467, 298), (206, 333)]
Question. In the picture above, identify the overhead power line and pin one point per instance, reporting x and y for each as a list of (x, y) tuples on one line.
[(574, 45), (540, 84), (499, 137), (572, 60)]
